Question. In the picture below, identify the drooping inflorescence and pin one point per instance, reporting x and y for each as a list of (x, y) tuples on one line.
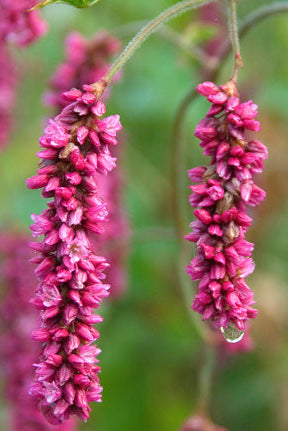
[(224, 190), (76, 148)]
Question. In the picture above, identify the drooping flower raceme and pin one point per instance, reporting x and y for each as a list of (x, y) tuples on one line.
[(76, 147), (224, 190), (17, 351)]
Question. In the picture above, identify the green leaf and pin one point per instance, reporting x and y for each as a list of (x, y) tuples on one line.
[(75, 3)]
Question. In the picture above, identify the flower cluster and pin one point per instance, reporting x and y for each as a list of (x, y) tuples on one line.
[(76, 147), (18, 25), (18, 318), (86, 61), (225, 188)]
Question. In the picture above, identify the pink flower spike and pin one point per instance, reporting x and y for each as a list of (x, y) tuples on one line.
[(223, 191), (70, 274)]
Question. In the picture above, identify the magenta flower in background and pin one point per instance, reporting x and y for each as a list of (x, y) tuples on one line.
[(224, 190), (17, 352), (86, 61), (17, 25), (76, 146)]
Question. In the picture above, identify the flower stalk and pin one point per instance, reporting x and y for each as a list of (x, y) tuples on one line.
[(148, 29), (233, 29)]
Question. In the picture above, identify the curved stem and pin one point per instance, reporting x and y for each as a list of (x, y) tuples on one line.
[(148, 29), (260, 14)]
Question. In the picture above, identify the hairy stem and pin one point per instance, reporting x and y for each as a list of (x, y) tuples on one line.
[(233, 30), (148, 29)]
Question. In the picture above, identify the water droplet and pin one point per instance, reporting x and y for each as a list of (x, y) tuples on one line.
[(232, 334)]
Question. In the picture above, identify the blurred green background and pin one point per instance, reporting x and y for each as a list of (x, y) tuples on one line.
[(151, 353)]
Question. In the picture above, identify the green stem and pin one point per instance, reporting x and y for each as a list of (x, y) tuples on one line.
[(148, 29), (260, 14), (233, 29)]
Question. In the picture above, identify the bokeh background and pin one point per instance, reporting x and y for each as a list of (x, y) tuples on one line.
[(151, 352)]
